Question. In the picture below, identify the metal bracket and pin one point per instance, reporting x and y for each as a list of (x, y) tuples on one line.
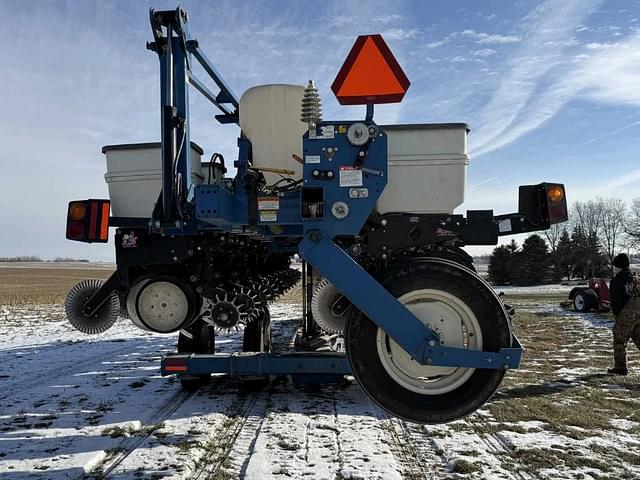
[(100, 296), (238, 364), (395, 319)]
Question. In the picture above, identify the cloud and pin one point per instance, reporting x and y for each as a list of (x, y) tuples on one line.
[(612, 132), (400, 33), (485, 52), (538, 80), (626, 179), (482, 182), (384, 19), (491, 38)]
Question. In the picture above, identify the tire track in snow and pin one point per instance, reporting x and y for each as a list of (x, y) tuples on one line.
[(411, 453), (62, 370), (248, 413), (498, 446), (130, 444)]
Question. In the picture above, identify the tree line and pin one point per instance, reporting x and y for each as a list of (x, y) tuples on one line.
[(583, 247)]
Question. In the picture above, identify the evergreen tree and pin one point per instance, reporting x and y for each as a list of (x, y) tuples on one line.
[(532, 264), (563, 259), (501, 263)]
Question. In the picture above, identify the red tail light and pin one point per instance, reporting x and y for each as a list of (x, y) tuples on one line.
[(88, 220), (543, 204), (556, 203)]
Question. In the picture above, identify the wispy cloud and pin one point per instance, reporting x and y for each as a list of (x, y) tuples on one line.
[(482, 182), (484, 52), (608, 134), (519, 104), (491, 38), (626, 179)]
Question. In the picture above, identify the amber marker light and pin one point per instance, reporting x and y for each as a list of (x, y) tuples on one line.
[(555, 193), (77, 211)]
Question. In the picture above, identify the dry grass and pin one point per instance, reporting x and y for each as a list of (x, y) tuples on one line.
[(42, 285)]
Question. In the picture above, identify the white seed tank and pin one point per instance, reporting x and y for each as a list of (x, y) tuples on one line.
[(427, 168), (134, 176), (270, 118)]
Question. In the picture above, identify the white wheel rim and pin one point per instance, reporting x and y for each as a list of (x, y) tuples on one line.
[(162, 306), (458, 326), (579, 302)]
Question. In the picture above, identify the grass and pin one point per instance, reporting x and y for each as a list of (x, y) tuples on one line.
[(562, 383), (42, 285)]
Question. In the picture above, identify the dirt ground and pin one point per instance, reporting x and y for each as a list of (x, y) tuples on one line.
[(37, 283)]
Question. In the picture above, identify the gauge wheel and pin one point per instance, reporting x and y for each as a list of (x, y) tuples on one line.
[(464, 311)]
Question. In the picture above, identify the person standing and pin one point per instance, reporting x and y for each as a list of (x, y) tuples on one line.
[(626, 309)]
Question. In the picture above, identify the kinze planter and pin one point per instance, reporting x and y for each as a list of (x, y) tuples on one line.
[(368, 208)]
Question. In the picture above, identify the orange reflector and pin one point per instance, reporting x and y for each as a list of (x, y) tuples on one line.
[(104, 225), (175, 368), (370, 74), (77, 211), (555, 193)]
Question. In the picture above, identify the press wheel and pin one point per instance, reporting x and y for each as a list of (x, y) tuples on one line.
[(199, 337)]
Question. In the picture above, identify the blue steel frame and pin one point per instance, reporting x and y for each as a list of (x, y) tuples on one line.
[(216, 207)]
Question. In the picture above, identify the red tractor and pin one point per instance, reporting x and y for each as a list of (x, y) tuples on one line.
[(595, 296)]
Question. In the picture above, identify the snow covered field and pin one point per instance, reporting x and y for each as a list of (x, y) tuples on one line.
[(78, 407)]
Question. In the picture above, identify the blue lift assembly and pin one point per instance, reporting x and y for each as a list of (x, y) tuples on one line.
[(425, 337)]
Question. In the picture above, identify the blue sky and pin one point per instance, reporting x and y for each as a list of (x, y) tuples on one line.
[(551, 90)]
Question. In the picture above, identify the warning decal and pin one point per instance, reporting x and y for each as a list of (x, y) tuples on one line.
[(350, 176), (268, 203)]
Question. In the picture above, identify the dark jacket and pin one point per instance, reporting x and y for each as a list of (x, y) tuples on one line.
[(620, 289)]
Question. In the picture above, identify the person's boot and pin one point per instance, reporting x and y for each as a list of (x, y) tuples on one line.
[(618, 371)]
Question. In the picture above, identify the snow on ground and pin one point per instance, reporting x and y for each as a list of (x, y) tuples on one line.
[(73, 406), (534, 290)]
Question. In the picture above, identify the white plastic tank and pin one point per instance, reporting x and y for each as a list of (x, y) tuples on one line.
[(270, 118), (134, 176), (427, 168)]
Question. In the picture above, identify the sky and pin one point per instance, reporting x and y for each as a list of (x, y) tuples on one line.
[(551, 90)]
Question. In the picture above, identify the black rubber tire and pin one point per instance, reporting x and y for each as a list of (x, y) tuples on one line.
[(582, 302), (361, 337), (257, 334), (203, 341)]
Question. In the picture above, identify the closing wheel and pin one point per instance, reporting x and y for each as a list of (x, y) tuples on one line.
[(257, 333), (464, 311), (105, 316), (199, 337)]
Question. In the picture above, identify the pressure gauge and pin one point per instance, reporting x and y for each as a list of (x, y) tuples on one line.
[(358, 134)]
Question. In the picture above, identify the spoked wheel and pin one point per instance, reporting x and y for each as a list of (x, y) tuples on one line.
[(104, 318), (199, 337), (464, 311)]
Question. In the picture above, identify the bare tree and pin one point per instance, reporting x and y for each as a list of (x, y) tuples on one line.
[(612, 223), (553, 236), (587, 216), (632, 224)]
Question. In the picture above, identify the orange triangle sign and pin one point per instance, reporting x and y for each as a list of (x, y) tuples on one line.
[(370, 74)]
